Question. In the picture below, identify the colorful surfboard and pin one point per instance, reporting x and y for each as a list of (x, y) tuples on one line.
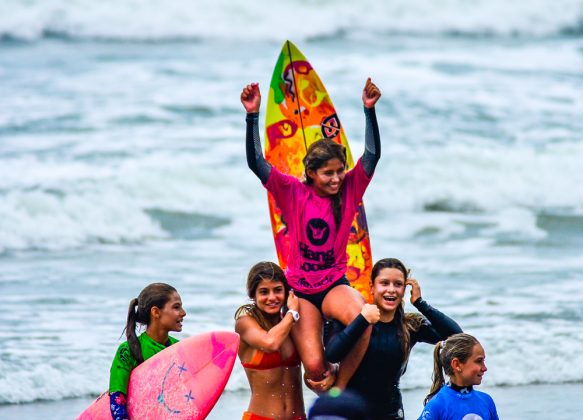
[(183, 381), (300, 112)]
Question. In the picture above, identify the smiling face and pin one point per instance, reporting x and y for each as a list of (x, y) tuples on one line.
[(472, 370), (171, 315), (388, 289), (328, 179), (270, 296)]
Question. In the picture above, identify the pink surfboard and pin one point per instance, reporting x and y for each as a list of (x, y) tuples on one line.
[(183, 381)]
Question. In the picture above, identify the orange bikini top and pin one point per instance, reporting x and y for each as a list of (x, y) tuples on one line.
[(262, 360)]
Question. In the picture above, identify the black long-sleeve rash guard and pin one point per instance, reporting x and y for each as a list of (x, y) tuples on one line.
[(262, 168), (377, 377)]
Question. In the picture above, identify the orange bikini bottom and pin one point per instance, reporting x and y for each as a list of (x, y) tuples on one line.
[(250, 416)]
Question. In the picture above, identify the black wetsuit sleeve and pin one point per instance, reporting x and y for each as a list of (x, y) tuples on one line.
[(437, 326), (372, 142), (255, 159), (340, 344)]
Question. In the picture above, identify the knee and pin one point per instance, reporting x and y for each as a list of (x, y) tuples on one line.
[(350, 312), (355, 309), (343, 304), (314, 367)]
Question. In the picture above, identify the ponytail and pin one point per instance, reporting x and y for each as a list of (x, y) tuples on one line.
[(437, 376), (130, 330), (458, 346), (155, 294)]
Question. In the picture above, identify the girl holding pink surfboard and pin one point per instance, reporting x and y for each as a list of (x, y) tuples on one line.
[(318, 213), (159, 307)]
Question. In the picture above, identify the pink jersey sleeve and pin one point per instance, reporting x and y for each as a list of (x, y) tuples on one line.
[(355, 183), (284, 189)]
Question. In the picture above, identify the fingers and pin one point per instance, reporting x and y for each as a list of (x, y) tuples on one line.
[(293, 301), (371, 90), (414, 285), (371, 313), (251, 97), (250, 90), (415, 289), (367, 83), (323, 384)]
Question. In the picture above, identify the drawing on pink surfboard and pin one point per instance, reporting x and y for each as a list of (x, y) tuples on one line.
[(183, 381)]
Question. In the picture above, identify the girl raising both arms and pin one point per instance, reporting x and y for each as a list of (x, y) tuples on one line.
[(318, 215)]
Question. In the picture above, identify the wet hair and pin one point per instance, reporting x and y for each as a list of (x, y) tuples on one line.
[(406, 322), (316, 157), (154, 294), (458, 346), (264, 270)]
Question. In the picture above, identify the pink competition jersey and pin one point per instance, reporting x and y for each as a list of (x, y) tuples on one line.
[(318, 249)]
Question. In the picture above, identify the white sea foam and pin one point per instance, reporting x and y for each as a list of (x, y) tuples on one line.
[(48, 381), (52, 205), (59, 349), (263, 19), (55, 206)]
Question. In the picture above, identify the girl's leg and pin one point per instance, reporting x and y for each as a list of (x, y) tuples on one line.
[(307, 337), (344, 303)]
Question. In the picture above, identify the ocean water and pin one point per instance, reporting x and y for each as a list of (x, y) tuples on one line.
[(122, 163)]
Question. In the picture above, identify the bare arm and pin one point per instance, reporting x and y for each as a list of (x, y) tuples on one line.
[(267, 341)]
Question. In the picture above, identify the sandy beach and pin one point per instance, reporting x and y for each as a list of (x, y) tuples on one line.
[(532, 402)]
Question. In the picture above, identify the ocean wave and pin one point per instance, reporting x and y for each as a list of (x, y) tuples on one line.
[(70, 205), (500, 195), (511, 363), (44, 383), (149, 20)]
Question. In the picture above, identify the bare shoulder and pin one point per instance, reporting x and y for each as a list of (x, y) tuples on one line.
[(246, 322)]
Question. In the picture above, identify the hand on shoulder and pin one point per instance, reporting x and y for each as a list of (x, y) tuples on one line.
[(293, 302)]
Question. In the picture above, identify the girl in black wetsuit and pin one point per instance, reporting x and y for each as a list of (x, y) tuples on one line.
[(394, 333)]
